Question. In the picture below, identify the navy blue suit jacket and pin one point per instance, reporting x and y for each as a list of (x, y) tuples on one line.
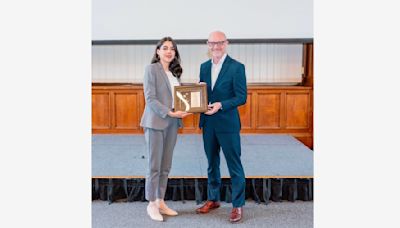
[(230, 89)]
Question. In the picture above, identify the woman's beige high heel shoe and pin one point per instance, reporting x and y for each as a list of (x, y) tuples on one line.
[(164, 209)]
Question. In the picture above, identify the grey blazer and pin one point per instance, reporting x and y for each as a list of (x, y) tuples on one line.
[(158, 98)]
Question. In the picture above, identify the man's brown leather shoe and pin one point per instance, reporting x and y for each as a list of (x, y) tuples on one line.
[(236, 214), (207, 207)]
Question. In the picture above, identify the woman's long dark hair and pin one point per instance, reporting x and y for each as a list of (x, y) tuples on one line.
[(175, 65)]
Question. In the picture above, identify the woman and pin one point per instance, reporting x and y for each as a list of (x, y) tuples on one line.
[(160, 123)]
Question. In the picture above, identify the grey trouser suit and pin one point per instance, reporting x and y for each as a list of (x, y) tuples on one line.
[(160, 130)]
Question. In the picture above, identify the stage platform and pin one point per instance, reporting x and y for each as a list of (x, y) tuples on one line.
[(270, 162)]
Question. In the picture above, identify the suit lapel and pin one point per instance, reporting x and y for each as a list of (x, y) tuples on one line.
[(207, 78), (225, 66)]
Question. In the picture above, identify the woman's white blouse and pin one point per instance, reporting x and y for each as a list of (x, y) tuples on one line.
[(173, 81)]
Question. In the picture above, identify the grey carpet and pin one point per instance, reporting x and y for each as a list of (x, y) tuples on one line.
[(262, 155), (297, 214)]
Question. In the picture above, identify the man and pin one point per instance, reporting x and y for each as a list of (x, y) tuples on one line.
[(226, 89)]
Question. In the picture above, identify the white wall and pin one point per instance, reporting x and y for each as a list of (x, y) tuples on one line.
[(265, 63), (185, 19)]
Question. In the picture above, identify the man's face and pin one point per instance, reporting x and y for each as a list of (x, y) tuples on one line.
[(217, 44)]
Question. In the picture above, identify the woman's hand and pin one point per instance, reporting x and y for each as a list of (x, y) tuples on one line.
[(179, 114)]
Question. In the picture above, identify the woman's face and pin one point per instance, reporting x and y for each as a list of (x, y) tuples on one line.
[(166, 52)]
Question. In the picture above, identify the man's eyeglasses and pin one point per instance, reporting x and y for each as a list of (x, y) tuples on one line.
[(218, 43)]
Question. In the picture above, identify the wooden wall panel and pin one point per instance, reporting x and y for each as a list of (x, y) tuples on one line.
[(245, 113), (190, 124), (308, 65), (101, 116), (126, 111), (297, 110), (308, 141), (268, 110)]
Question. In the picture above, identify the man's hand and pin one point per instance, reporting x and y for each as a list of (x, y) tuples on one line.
[(179, 114), (213, 108)]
